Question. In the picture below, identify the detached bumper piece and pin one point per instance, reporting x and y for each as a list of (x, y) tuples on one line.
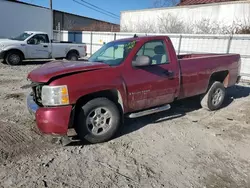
[(50, 120), (32, 106)]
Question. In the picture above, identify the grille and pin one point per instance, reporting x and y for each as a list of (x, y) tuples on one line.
[(37, 94)]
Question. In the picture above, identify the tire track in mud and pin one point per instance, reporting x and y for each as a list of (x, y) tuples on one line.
[(17, 138), (17, 141)]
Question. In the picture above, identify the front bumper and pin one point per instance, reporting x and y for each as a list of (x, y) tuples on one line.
[(50, 120)]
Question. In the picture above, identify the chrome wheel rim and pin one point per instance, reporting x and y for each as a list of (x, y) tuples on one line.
[(14, 58), (99, 121), (217, 96)]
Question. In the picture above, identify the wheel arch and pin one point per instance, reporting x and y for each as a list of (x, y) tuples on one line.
[(113, 95), (14, 50), (73, 51), (220, 76)]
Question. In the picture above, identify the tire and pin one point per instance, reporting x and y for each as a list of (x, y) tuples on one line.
[(98, 120), (14, 58), (72, 56), (214, 97)]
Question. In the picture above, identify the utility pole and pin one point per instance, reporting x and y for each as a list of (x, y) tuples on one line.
[(52, 25), (52, 18)]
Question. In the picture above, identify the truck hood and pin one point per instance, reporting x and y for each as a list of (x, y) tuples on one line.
[(8, 42), (4, 40), (57, 68)]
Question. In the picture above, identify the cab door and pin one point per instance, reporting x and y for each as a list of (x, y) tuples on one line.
[(152, 85), (38, 47)]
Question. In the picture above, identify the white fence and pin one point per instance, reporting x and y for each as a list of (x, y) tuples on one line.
[(183, 43)]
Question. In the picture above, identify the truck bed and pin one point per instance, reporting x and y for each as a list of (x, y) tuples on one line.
[(196, 70), (191, 56)]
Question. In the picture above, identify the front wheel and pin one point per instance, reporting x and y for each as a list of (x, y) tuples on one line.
[(214, 98), (13, 58), (98, 120)]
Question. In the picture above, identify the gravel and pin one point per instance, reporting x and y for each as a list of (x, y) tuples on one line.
[(184, 147)]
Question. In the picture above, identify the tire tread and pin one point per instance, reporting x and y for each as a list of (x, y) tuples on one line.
[(205, 99)]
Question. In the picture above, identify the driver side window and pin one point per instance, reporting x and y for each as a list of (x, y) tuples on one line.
[(38, 39), (156, 51)]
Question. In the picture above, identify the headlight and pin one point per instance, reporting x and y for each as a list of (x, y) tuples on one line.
[(55, 95)]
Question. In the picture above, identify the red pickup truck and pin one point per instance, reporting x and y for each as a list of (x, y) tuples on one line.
[(125, 78)]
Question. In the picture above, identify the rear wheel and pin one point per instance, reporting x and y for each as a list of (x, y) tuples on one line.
[(72, 56), (13, 58), (214, 98), (98, 120)]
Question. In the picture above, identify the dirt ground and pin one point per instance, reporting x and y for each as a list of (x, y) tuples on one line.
[(184, 147)]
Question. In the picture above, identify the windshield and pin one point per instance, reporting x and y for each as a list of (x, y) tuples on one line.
[(113, 53), (22, 37)]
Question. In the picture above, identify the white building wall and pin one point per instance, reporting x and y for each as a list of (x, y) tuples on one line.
[(223, 13), (16, 18)]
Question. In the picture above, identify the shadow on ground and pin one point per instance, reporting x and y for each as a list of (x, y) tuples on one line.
[(36, 62), (236, 92), (178, 109)]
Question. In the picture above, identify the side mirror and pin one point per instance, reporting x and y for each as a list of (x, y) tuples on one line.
[(141, 61), (31, 41)]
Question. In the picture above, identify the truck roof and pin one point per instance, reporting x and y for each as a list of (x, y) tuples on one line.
[(143, 38), (36, 32)]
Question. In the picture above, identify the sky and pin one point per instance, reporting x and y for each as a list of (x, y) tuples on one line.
[(114, 6)]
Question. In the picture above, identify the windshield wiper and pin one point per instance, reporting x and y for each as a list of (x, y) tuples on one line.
[(99, 61)]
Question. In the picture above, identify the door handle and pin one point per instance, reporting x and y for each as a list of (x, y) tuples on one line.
[(169, 74), (45, 46)]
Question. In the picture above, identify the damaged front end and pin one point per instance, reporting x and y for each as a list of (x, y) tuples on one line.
[(34, 101), (53, 120)]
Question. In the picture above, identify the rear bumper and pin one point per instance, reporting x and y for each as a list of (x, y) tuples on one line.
[(52, 120)]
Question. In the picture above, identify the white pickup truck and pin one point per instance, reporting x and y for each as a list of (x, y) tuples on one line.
[(36, 45)]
